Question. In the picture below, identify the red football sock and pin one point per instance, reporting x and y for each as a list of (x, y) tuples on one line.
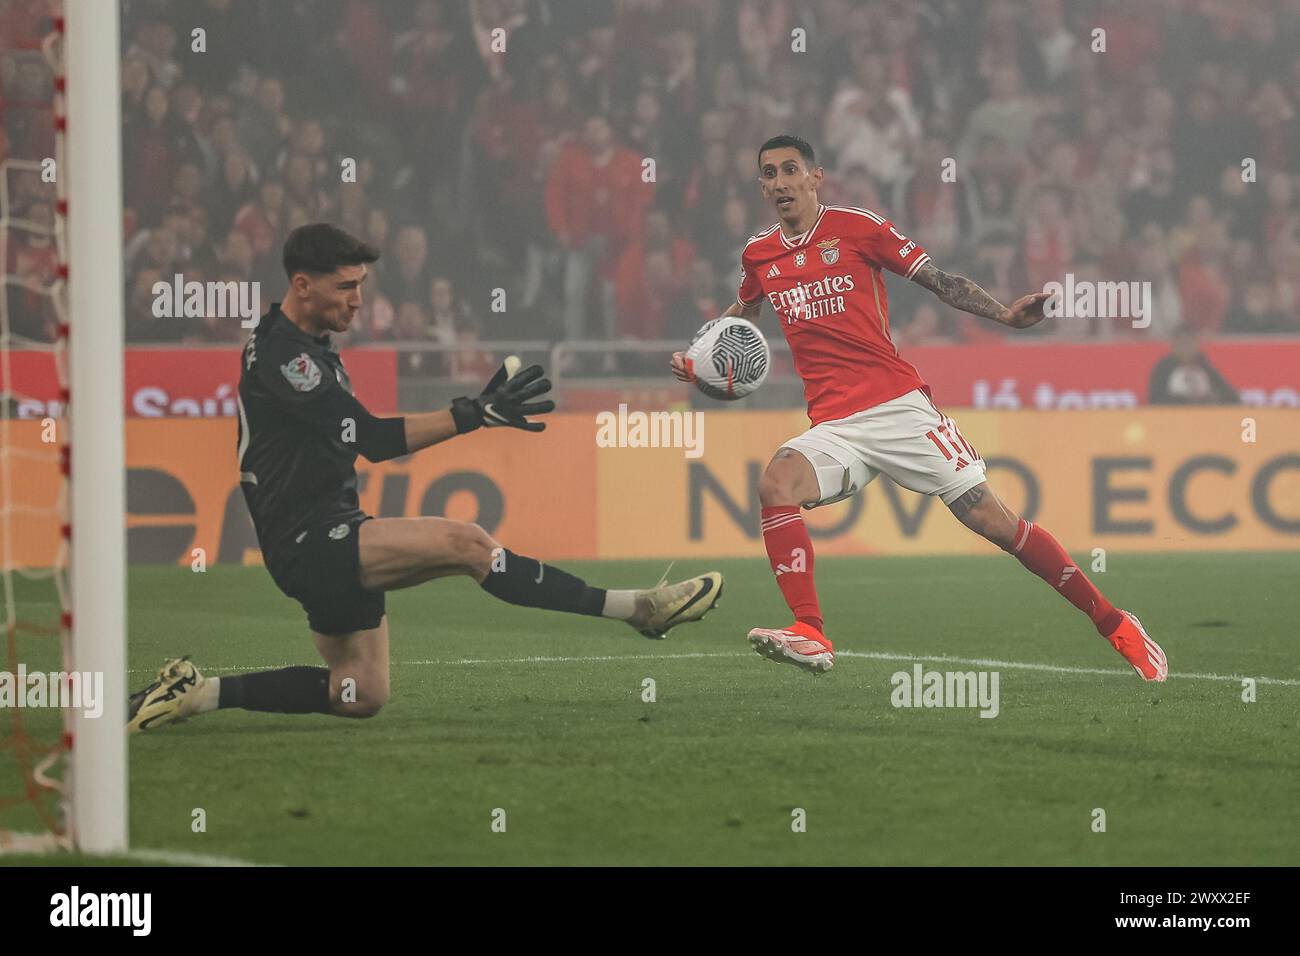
[(790, 550), (1041, 553)]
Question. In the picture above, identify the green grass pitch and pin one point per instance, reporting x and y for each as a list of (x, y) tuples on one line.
[(541, 715)]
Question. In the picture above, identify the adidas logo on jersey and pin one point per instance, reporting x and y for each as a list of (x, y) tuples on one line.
[(773, 272)]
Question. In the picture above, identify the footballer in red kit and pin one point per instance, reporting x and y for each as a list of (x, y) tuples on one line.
[(821, 269)]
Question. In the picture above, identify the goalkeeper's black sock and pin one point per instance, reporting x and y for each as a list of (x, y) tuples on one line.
[(292, 690), (528, 582)]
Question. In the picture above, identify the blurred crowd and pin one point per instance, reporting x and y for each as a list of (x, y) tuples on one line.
[(598, 178)]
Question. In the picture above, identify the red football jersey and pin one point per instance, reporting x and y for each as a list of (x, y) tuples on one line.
[(827, 289)]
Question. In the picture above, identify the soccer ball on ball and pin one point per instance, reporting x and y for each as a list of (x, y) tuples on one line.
[(728, 358)]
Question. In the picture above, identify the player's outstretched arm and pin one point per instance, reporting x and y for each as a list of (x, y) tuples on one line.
[(319, 400), (961, 293)]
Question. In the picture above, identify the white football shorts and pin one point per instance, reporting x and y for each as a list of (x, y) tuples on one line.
[(906, 438)]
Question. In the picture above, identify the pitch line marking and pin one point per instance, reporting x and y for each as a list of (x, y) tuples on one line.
[(582, 660), (180, 858), (176, 857), (1057, 668), (866, 655)]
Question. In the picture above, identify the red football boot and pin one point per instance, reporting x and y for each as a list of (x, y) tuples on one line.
[(1132, 640), (799, 644)]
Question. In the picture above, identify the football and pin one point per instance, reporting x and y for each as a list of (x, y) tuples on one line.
[(728, 358)]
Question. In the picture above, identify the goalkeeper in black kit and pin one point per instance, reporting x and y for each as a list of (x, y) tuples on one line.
[(300, 431)]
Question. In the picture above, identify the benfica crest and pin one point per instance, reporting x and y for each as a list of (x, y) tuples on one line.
[(830, 254), (302, 373), (799, 260)]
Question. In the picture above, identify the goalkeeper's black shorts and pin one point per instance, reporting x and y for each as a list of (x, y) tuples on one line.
[(320, 568)]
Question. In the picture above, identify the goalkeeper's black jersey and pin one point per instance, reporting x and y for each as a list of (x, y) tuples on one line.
[(298, 425)]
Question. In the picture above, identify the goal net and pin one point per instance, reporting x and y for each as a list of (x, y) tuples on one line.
[(63, 642), (33, 489)]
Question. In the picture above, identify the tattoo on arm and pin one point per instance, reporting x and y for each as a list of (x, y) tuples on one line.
[(959, 292)]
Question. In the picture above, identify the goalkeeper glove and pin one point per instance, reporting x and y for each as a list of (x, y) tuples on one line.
[(506, 400)]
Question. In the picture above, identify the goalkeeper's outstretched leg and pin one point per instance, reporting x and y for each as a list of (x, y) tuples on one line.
[(402, 552), (394, 553)]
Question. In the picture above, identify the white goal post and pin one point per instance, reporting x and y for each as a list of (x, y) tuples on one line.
[(95, 363)]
